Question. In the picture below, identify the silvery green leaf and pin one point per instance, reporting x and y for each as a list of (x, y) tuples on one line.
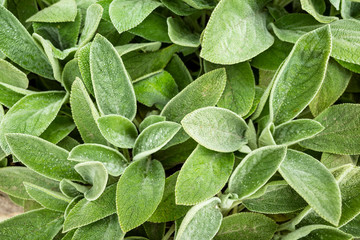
[(247, 226), (266, 136), (341, 132), (9, 95), (118, 130), (62, 11), (44, 224), (313, 182), (255, 170), (331, 160), (201, 4), (86, 212), (180, 33), (210, 170), (310, 7), (215, 128), (95, 173), (31, 115), (139, 192), (27, 54), (297, 130), (58, 129), (107, 229), (301, 75), (92, 20), (71, 189), (205, 217), (12, 76), (150, 120), (70, 72), (350, 9), (153, 138), (85, 114), (317, 232), (113, 90), (49, 199), (42, 157), (145, 47), (228, 40), (12, 178), (83, 55), (168, 210), (114, 162), (179, 7), (125, 14)]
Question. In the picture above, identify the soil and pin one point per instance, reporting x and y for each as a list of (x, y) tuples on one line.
[(8, 208)]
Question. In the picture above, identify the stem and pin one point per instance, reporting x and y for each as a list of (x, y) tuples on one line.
[(169, 232)]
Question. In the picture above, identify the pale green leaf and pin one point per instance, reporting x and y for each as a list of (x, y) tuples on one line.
[(131, 47), (12, 76), (334, 160), (58, 129), (318, 232), (180, 33), (310, 7), (70, 72), (201, 4), (9, 94), (179, 72), (139, 192), (71, 189), (215, 128), (92, 20), (312, 181), (209, 170), (83, 55), (150, 120), (179, 7), (62, 11)]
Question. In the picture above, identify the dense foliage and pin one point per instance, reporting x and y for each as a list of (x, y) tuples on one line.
[(180, 119)]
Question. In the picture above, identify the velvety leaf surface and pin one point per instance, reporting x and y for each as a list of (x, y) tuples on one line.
[(58, 129), (12, 75), (203, 175), (318, 232), (150, 120), (180, 34), (92, 20), (62, 11), (311, 7)]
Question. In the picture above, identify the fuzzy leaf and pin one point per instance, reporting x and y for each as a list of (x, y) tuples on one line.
[(92, 20), (58, 129), (12, 76), (150, 120), (62, 11), (180, 34)]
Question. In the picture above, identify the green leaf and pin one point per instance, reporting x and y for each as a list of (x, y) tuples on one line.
[(168, 210), (62, 11), (341, 132), (153, 138), (334, 160), (301, 75), (70, 72), (149, 121), (255, 170), (86, 212), (37, 224), (239, 92), (12, 76), (204, 91), (47, 198), (179, 7), (118, 130), (12, 178), (114, 162), (201, 4), (312, 181), (297, 130), (275, 198), (157, 89), (228, 40), (352, 227), (180, 33), (27, 53), (113, 90), (85, 114), (215, 128), (43, 157), (96, 174), (9, 95), (107, 229), (179, 72), (139, 192), (132, 47), (318, 232), (126, 14), (71, 189), (84, 67), (31, 115), (345, 37), (336, 80), (58, 129), (246, 226), (92, 20), (210, 170), (205, 218), (310, 7)]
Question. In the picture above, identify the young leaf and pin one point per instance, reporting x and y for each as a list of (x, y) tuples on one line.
[(62, 11), (113, 90), (118, 130), (221, 130), (94, 173), (43, 157), (180, 34), (205, 218), (27, 53), (71, 189), (114, 162), (31, 115), (255, 170), (301, 75), (246, 226), (210, 170), (49, 199), (153, 138), (150, 120), (126, 14), (295, 131), (139, 192), (168, 210), (85, 114), (106, 229), (312, 181), (12, 76), (12, 178), (92, 20), (37, 224), (341, 132), (228, 40), (86, 212)]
